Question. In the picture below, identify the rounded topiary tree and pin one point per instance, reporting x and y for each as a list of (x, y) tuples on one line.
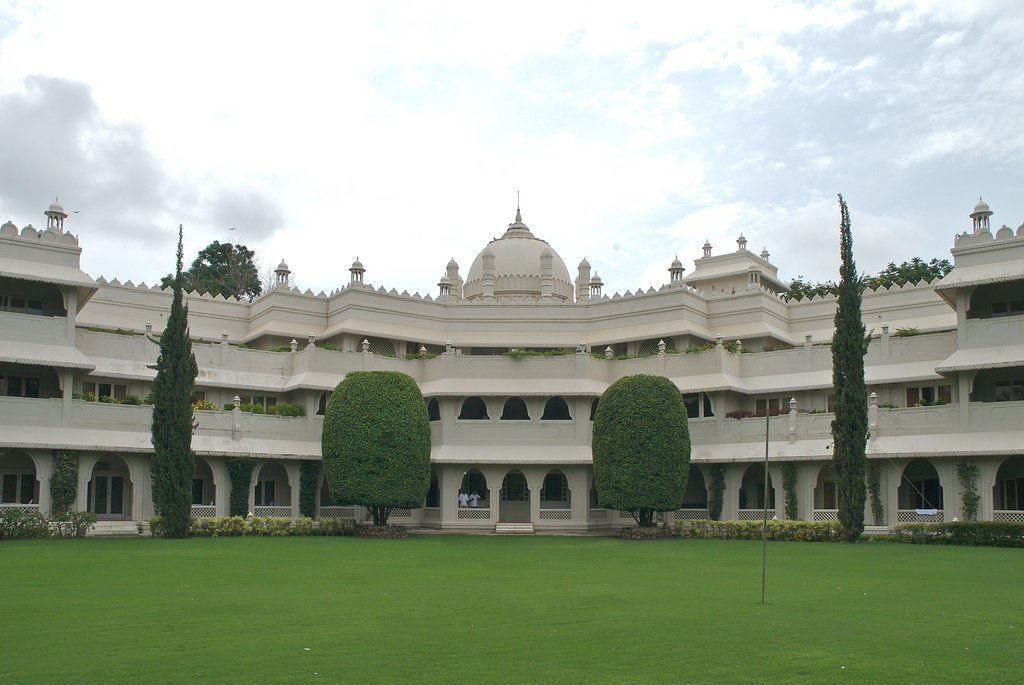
[(376, 443), (641, 447)]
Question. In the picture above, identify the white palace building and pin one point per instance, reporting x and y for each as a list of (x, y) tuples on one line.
[(945, 373)]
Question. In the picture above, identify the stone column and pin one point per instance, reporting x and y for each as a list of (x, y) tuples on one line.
[(292, 470), (221, 486), (731, 496)]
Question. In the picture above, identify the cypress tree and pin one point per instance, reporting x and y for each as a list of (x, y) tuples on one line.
[(174, 464), (849, 427)]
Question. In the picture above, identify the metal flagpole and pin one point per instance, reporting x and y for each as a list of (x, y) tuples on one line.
[(764, 528)]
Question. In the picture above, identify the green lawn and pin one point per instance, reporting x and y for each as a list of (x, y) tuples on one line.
[(470, 609)]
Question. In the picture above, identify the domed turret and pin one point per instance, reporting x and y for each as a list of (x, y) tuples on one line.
[(357, 271), (517, 260), (675, 271), (283, 274), (980, 216), (55, 215)]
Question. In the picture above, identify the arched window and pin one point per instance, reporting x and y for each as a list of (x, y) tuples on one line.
[(433, 410), (474, 409), (515, 410), (556, 410), (321, 408), (593, 408), (555, 490), (433, 492)]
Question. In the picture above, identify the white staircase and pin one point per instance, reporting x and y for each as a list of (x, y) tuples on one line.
[(513, 529), (111, 529)]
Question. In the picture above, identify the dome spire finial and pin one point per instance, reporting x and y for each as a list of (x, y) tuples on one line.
[(519, 217)]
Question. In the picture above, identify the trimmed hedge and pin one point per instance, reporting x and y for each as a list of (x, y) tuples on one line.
[(309, 478), (360, 530), (975, 533), (641, 446), (233, 526), (240, 471), (790, 531), (649, 533)]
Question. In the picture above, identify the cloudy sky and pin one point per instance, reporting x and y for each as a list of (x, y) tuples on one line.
[(401, 132)]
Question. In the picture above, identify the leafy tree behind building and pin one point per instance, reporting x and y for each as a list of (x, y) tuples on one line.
[(221, 269), (911, 271)]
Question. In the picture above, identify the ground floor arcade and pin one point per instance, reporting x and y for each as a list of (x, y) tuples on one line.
[(551, 497)]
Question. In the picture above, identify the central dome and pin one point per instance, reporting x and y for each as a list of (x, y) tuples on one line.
[(517, 267)]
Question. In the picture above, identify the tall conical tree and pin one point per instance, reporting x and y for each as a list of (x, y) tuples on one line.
[(173, 462), (849, 428)]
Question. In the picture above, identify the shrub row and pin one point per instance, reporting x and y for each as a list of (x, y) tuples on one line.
[(987, 533), (361, 530), (792, 531), (273, 526), (649, 533), (279, 409), (24, 524)]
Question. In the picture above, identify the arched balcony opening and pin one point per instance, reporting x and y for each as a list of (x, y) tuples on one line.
[(695, 499), (515, 498), (752, 494), (473, 409), (433, 410), (474, 497), (18, 477), (515, 410), (273, 494), (826, 494), (204, 491), (1008, 492), (109, 493), (920, 495), (556, 410), (555, 493), (433, 500), (593, 407)]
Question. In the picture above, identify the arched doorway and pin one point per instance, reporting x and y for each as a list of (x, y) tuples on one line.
[(696, 495), (204, 492), (920, 495), (433, 500), (273, 494), (18, 476), (1008, 492), (515, 498), (752, 493), (474, 482), (826, 494), (109, 493)]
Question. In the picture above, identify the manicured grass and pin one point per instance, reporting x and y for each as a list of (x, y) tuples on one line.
[(500, 609)]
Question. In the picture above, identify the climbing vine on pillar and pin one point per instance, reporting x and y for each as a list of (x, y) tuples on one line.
[(875, 492), (967, 472), (789, 485), (716, 491), (309, 478), (63, 481), (240, 471)]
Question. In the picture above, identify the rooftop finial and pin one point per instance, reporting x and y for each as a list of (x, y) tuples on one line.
[(519, 217)]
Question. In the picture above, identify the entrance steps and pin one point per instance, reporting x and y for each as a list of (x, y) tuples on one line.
[(513, 529), (111, 529)]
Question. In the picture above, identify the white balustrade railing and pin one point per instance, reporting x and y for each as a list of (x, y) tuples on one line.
[(689, 514), (625, 516), (754, 514), (272, 511), (1008, 515), (913, 516), (23, 507), (204, 511), (337, 512), (555, 514), (400, 514), (826, 515), (477, 513)]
